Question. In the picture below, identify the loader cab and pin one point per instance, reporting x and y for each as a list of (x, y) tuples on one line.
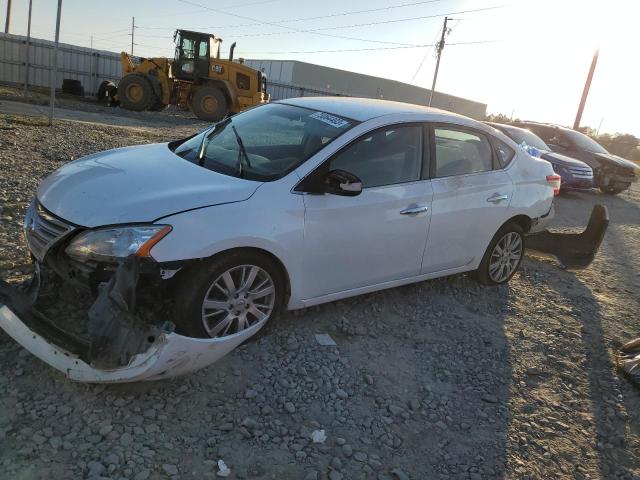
[(193, 53)]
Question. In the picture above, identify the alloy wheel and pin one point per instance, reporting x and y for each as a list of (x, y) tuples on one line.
[(241, 297), (505, 257)]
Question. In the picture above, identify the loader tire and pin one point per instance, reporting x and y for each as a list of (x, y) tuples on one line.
[(136, 93), (158, 105), (209, 103)]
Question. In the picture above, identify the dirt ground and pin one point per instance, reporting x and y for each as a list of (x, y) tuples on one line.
[(443, 379)]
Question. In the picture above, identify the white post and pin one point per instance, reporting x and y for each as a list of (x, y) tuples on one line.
[(26, 72), (54, 73), (91, 82)]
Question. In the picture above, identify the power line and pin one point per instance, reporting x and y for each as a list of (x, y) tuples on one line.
[(368, 49), (343, 37), (368, 24), (426, 54), (318, 17), (259, 2), (342, 50), (319, 31)]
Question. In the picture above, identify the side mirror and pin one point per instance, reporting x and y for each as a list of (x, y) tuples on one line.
[(341, 182)]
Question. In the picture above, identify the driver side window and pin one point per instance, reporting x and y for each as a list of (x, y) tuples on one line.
[(387, 156)]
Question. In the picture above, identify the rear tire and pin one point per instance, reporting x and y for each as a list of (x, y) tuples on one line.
[(201, 307), (503, 256), (136, 93), (209, 103)]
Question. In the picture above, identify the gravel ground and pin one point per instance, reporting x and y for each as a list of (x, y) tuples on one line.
[(442, 379)]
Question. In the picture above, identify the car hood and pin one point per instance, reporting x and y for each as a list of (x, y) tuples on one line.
[(135, 184), (563, 160), (619, 161)]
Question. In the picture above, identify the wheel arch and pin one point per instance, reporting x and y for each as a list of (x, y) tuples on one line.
[(259, 251), (524, 221)]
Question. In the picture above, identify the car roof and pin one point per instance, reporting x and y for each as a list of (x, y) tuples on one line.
[(363, 109), (542, 124), (506, 126)]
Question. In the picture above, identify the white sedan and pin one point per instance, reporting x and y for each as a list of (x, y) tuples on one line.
[(287, 205)]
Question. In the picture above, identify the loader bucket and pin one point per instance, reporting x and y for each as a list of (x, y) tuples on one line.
[(573, 250)]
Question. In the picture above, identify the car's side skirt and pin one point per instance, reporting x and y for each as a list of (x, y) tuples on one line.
[(296, 304)]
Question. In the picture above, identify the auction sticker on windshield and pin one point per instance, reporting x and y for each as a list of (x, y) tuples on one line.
[(329, 119)]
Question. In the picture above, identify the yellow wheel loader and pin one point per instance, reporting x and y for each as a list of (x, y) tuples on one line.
[(197, 79)]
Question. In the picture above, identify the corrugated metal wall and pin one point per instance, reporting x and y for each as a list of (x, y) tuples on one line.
[(286, 78), (89, 66)]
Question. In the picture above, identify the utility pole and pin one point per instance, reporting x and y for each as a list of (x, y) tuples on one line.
[(26, 65), (439, 47), (585, 92), (8, 19), (133, 27), (54, 74), (91, 82)]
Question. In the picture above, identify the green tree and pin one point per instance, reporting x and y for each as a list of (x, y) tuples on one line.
[(497, 118), (622, 144)]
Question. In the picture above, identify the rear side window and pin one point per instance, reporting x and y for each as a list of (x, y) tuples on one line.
[(505, 153), (460, 152)]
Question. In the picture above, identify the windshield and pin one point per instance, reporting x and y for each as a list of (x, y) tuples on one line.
[(583, 142), (520, 135), (276, 137)]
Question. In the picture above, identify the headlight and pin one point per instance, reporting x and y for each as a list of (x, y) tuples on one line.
[(112, 244)]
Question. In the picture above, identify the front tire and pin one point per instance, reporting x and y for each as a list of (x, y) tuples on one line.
[(209, 103), (503, 256), (228, 294)]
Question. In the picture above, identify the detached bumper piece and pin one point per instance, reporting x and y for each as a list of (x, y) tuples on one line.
[(573, 250), (121, 347)]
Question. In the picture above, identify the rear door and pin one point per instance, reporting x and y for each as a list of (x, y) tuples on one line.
[(471, 195)]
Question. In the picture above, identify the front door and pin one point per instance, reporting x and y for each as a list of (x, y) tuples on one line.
[(470, 199), (379, 235)]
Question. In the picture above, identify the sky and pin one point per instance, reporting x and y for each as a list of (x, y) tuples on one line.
[(526, 58)]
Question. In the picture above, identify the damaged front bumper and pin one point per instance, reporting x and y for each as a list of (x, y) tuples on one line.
[(121, 346), (170, 355), (573, 250)]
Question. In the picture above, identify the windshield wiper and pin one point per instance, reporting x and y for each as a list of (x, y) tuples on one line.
[(241, 152), (205, 137)]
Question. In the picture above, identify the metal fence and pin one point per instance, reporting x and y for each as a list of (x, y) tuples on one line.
[(89, 66)]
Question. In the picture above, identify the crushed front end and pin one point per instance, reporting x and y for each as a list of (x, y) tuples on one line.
[(124, 335)]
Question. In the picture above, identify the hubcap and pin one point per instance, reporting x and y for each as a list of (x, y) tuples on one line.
[(209, 104), (505, 257), (239, 298), (134, 93)]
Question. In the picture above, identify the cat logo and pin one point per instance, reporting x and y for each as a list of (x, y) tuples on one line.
[(217, 69)]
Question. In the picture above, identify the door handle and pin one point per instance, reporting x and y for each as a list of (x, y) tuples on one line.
[(497, 198), (413, 210)]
